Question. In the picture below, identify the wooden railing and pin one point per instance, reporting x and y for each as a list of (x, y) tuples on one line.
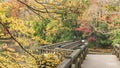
[(116, 50), (65, 52), (64, 45), (56, 45), (75, 59), (73, 52), (71, 45)]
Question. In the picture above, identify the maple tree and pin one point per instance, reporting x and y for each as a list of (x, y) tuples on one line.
[(27, 21)]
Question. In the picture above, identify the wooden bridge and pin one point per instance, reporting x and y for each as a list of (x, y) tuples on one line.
[(76, 55)]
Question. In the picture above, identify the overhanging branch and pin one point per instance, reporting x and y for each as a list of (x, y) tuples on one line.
[(4, 26)]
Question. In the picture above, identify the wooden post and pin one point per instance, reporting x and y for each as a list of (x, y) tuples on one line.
[(74, 57), (119, 52), (113, 50), (79, 62), (116, 50)]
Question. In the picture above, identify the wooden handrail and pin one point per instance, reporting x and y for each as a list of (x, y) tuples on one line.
[(71, 45), (65, 45), (116, 50), (52, 46)]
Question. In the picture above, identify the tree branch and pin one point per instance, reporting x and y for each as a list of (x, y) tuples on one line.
[(17, 41), (37, 9), (44, 8), (3, 64)]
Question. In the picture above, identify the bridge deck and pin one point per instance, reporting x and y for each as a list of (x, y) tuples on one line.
[(101, 61)]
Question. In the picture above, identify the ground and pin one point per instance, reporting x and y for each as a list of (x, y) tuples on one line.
[(100, 50)]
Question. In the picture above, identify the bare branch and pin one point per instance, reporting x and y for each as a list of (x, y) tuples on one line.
[(31, 8), (44, 8)]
